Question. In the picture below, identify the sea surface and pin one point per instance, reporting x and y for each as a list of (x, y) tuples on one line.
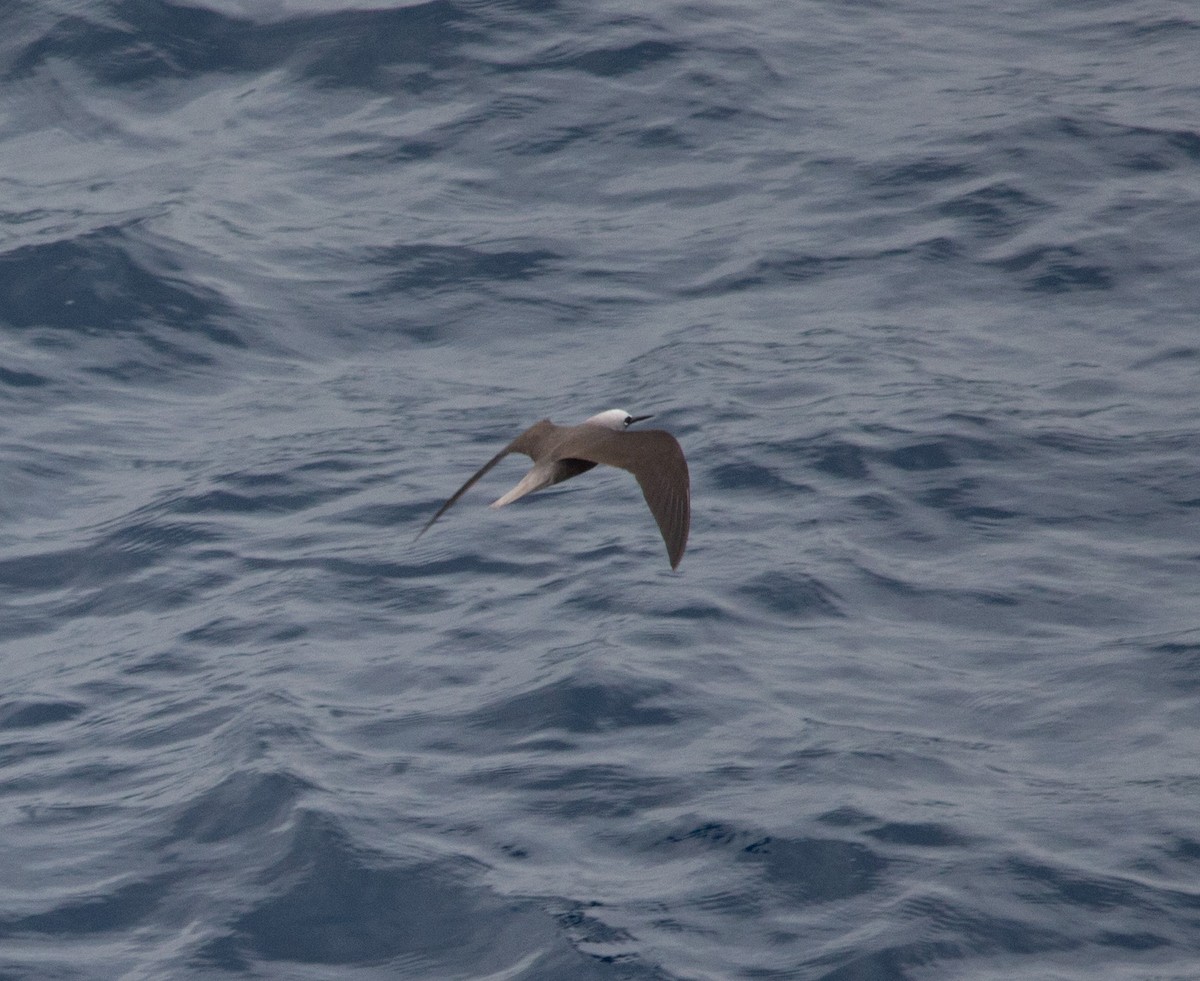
[(917, 287)]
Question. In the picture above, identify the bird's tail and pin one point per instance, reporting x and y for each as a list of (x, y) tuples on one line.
[(536, 479)]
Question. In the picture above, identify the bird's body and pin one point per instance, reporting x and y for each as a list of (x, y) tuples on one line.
[(653, 456)]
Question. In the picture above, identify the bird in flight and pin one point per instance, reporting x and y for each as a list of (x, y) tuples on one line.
[(653, 456)]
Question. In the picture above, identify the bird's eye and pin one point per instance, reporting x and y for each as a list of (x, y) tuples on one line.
[(629, 420)]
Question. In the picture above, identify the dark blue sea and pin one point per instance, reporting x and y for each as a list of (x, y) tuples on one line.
[(917, 287)]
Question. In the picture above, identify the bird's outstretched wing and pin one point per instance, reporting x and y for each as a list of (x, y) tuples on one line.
[(656, 459), (529, 442)]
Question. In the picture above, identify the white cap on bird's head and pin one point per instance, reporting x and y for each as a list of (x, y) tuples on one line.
[(614, 419)]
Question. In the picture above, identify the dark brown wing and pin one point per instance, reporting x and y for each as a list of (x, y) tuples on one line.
[(529, 442), (656, 459)]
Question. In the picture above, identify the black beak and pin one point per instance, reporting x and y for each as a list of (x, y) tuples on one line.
[(633, 419)]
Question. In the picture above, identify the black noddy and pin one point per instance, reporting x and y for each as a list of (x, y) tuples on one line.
[(653, 456)]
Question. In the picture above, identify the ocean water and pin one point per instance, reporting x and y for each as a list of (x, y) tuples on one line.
[(915, 285)]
